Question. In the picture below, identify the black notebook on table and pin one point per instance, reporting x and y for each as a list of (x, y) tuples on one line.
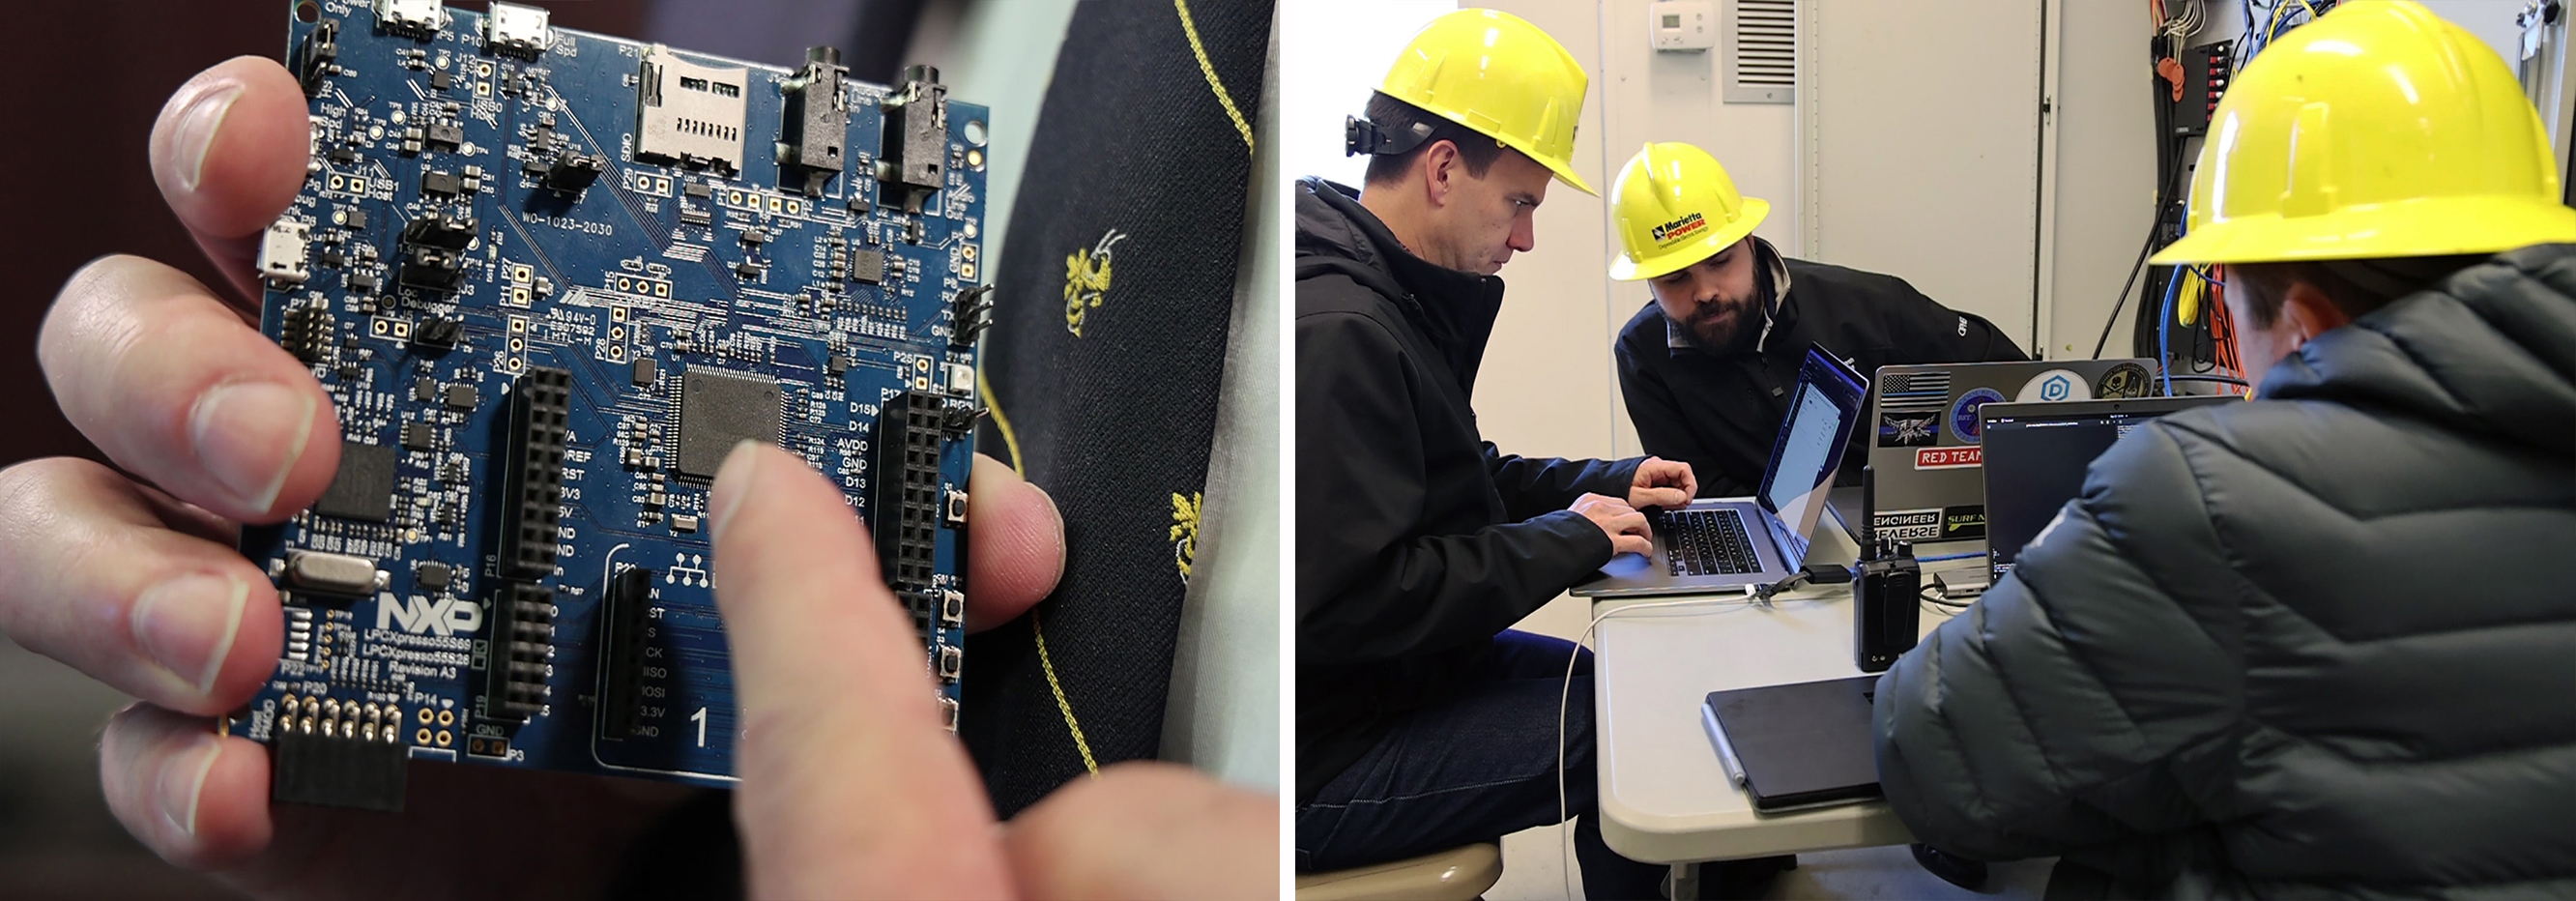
[(1797, 746)]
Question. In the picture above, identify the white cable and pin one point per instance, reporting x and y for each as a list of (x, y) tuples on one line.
[(1565, 696)]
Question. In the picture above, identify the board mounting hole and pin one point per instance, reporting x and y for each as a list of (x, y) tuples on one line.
[(308, 12), (975, 132)]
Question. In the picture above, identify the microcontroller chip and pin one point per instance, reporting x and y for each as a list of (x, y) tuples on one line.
[(867, 266), (364, 486), (720, 408)]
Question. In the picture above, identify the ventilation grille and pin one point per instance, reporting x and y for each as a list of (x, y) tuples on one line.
[(1761, 51)]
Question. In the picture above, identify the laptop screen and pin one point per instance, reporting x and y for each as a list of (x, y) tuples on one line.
[(1823, 411), (2037, 455), (1806, 443)]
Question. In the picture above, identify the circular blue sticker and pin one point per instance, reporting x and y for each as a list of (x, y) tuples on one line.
[(1963, 415)]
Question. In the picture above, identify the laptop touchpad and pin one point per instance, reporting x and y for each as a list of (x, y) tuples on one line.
[(1628, 566)]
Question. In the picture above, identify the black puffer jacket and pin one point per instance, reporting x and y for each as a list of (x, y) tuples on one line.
[(1417, 541), (2322, 644)]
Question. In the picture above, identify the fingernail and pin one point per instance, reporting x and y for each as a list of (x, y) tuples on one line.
[(196, 129), (183, 779), (187, 625), (1057, 513), (248, 435), (731, 481)]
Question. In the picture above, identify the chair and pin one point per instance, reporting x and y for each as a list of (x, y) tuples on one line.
[(1458, 874)]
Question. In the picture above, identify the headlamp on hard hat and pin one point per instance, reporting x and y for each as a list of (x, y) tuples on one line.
[(1361, 137)]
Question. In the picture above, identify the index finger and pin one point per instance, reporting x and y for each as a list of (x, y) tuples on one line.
[(850, 783), (229, 152), (1631, 523)]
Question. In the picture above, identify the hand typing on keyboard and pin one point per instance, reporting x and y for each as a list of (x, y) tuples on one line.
[(1663, 483), (1708, 543), (1626, 527)]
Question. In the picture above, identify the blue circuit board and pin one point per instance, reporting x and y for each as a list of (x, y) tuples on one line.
[(550, 279)]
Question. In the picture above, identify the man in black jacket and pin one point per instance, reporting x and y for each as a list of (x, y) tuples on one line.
[(1422, 722), (1706, 368), (2316, 644)]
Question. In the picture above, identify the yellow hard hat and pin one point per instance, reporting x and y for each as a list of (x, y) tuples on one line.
[(2380, 130), (1676, 206), (1496, 73)]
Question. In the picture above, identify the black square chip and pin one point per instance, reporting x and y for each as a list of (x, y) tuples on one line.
[(720, 408), (363, 488)]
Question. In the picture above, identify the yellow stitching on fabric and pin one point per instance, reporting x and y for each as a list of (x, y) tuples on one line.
[(1185, 530), (1209, 69), (1010, 439), (1048, 663), (1086, 278)]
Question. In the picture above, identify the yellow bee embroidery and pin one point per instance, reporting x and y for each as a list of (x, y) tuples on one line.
[(1185, 530), (1086, 279)]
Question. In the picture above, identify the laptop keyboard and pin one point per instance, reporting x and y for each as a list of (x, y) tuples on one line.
[(1707, 543)]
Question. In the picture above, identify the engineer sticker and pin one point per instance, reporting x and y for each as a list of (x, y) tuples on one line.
[(1909, 429), (1969, 457), (1963, 415), (2124, 380), (1908, 525), (2053, 386)]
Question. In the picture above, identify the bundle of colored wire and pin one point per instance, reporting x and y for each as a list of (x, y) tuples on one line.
[(2222, 328)]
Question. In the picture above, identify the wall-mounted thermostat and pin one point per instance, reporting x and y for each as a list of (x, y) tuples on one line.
[(1683, 24)]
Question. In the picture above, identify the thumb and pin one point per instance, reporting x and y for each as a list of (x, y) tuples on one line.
[(1668, 498), (851, 784)]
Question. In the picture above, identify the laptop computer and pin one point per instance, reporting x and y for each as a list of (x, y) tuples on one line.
[(1924, 443), (1793, 747), (2037, 455), (1723, 543)]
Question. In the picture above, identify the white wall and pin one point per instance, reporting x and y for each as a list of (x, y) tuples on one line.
[(2106, 173), (2490, 20), (1337, 51), (1650, 96), (1923, 151), (1546, 387)]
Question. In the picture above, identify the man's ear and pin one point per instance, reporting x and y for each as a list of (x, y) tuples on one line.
[(1440, 172), (2310, 312)]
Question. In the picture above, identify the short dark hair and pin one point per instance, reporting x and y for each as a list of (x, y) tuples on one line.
[(1477, 150), (2354, 286)]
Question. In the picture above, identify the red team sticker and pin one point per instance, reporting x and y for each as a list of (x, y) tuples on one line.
[(1969, 457)]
